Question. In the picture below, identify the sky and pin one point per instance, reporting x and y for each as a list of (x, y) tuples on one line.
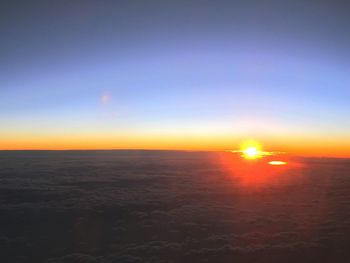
[(192, 75)]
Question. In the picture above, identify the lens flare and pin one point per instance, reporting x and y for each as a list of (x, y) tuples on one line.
[(277, 163)]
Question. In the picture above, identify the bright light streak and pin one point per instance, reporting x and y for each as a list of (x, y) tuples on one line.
[(277, 163)]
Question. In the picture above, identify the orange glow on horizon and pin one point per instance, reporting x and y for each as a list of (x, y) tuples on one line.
[(193, 142)]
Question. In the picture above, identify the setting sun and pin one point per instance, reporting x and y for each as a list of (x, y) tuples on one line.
[(251, 153), (251, 149)]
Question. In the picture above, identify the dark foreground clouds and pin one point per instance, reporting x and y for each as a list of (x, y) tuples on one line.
[(149, 206)]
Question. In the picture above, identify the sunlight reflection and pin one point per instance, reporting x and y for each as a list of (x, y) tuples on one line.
[(260, 172), (277, 163)]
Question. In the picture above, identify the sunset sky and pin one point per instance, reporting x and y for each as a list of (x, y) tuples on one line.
[(192, 75)]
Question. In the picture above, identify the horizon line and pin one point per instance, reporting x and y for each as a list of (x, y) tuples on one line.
[(164, 150)]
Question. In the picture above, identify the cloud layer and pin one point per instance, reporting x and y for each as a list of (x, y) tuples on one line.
[(153, 206)]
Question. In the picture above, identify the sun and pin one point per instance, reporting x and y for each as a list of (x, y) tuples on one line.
[(251, 150)]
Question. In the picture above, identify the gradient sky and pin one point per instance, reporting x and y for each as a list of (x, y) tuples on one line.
[(175, 75)]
